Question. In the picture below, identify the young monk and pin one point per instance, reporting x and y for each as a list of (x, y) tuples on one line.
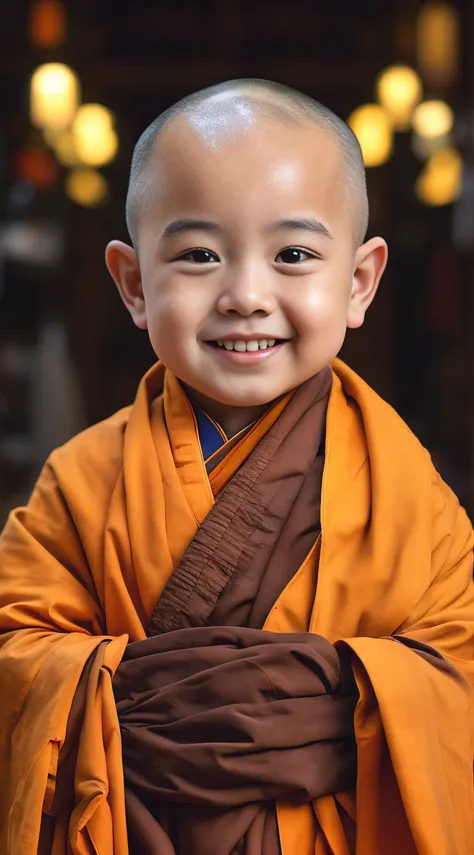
[(238, 616)]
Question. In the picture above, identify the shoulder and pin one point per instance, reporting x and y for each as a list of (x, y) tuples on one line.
[(86, 470), (95, 455), (395, 453), (403, 478), (383, 426)]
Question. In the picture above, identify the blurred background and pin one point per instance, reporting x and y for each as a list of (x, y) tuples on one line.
[(78, 84)]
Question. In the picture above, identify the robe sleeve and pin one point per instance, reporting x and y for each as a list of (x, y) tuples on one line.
[(51, 623), (414, 720)]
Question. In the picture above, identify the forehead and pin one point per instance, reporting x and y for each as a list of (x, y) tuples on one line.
[(247, 169)]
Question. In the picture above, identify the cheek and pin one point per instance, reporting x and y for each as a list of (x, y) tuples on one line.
[(319, 307), (174, 312)]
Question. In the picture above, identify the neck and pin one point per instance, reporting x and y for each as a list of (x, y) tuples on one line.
[(231, 419)]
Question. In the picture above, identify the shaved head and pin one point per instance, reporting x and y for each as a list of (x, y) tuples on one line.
[(224, 109)]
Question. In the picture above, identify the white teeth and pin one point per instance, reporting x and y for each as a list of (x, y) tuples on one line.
[(247, 346)]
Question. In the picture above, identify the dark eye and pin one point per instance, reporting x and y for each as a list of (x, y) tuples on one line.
[(199, 256), (293, 255)]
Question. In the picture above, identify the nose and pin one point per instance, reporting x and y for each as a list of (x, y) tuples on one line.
[(246, 290)]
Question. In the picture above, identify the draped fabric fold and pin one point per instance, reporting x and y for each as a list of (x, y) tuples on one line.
[(387, 586)]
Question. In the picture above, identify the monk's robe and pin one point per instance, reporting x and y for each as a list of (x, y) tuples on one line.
[(237, 719), (123, 538), (208, 705)]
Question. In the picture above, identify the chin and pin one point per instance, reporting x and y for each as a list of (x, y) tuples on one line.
[(244, 399)]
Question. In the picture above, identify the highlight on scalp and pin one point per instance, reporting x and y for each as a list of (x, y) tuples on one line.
[(269, 99)]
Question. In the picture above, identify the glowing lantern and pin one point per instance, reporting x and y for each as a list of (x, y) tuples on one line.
[(399, 90), (438, 42), (54, 95), (433, 119), (440, 181), (47, 24), (87, 187), (372, 127), (95, 140)]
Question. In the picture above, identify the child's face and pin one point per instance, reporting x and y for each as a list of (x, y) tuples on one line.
[(248, 238)]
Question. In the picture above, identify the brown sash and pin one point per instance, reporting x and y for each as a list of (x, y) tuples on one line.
[(260, 529)]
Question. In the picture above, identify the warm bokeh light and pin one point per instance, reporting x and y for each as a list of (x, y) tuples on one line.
[(47, 23), (54, 95), (440, 181), (424, 147), (399, 89), (372, 126), (64, 147), (87, 187), (438, 42), (95, 140), (36, 166), (433, 119)]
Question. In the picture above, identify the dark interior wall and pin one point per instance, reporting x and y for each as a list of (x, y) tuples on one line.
[(138, 59)]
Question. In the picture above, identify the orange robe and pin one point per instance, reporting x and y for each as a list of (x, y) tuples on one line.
[(86, 561)]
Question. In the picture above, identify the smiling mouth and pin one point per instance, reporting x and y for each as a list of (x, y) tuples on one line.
[(251, 346)]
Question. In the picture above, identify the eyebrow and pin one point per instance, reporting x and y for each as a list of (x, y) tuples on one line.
[(179, 227), (309, 224)]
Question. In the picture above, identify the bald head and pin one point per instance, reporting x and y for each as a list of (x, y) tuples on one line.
[(226, 108)]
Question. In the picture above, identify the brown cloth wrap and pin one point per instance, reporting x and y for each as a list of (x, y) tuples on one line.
[(218, 722)]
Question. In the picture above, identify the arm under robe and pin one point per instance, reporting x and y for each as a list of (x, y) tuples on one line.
[(51, 624), (217, 722)]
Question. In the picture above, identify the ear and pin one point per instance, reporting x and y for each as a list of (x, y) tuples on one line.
[(369, 264), (124, 268)]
